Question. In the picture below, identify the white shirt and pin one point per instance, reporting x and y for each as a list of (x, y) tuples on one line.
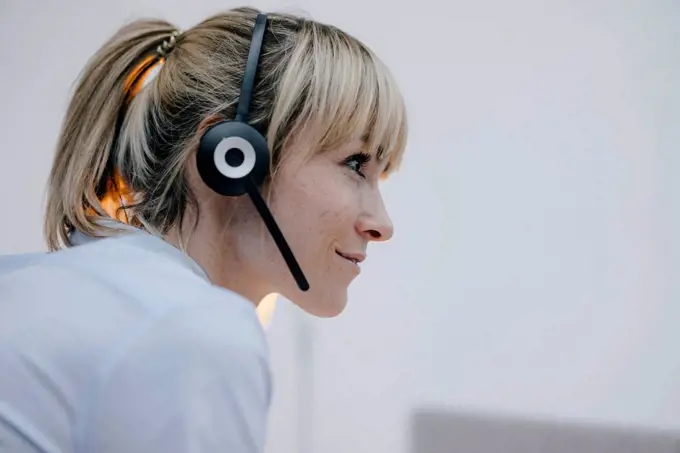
[(123, 345)]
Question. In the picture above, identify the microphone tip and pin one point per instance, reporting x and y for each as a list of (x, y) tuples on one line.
[(303, 285)]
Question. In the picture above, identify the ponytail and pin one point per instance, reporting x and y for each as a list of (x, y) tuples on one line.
[(82, 169)]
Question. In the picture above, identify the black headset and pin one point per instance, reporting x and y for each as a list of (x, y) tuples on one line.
[(233, 157)]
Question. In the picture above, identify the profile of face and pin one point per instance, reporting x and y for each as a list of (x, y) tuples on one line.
[(329, 207)]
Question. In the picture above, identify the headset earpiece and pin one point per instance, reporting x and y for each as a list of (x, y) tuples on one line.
[(230, 152)]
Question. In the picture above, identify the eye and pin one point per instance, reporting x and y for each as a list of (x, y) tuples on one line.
[(357, 162)]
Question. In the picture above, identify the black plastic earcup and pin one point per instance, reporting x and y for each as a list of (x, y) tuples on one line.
[(228, 154)]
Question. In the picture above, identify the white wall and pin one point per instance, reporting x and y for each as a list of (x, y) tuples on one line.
[(536, 262)]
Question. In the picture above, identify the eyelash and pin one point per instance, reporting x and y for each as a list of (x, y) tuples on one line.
[(361, 158)]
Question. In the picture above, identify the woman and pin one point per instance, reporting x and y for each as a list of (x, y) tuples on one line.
[(139, 332)]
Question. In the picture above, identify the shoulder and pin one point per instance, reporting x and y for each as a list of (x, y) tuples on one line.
[(160, 358), (214, 341), (121, 289), (221, 328), (199, 375)]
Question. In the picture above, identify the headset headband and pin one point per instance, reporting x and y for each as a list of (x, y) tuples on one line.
[(243, 109)]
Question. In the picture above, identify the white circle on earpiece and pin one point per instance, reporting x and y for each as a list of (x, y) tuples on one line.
[(223, 166)]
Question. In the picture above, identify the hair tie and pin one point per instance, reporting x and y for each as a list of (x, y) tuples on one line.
[(167, 45)]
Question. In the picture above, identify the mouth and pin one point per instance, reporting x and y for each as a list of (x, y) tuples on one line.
[(355, 258)]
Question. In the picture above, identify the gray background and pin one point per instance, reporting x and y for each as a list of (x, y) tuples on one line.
[(535, 264)]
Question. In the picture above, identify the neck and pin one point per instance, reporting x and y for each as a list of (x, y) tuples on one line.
[(210, 248)]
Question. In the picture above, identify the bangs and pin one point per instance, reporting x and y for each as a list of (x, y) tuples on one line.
[(338, 90)]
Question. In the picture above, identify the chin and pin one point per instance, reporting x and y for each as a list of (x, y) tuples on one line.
[(322, 305)]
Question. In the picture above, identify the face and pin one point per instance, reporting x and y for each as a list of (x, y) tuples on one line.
[(329, 208)]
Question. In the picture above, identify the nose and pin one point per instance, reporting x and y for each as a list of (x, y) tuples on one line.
[(375, 224)]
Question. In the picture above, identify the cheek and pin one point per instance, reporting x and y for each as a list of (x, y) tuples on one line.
[(329, 207), (316, 211)]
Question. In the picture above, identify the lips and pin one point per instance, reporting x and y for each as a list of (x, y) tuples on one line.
[(355, 258)]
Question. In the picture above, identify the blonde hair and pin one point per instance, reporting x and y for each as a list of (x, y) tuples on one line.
[(311, 76)]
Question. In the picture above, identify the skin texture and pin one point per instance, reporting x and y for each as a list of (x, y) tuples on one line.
[(324, 204)]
